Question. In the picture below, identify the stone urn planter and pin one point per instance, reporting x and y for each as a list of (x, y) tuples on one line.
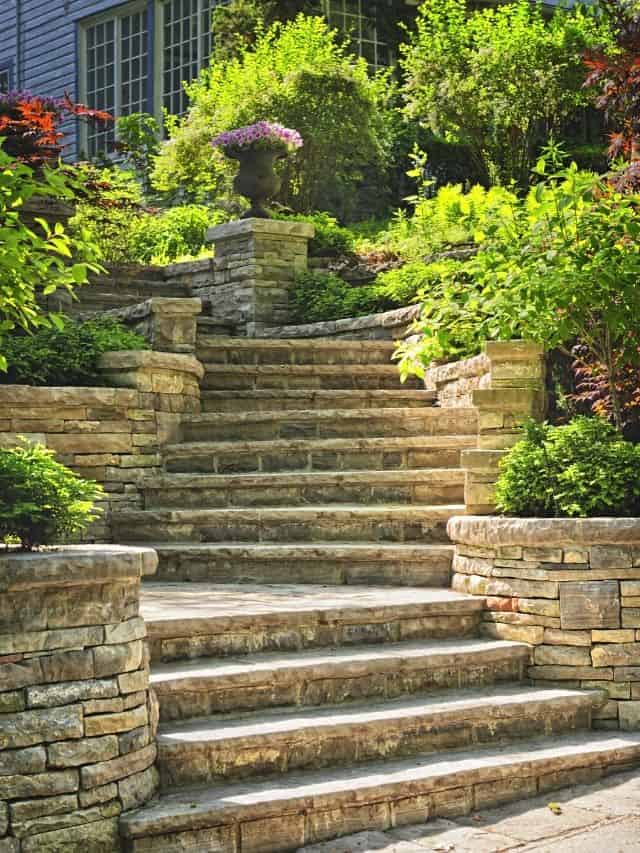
[(77, 717), (257, 148), (570, 587)]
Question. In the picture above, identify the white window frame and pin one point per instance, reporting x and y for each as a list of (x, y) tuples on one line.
[(114, 14)]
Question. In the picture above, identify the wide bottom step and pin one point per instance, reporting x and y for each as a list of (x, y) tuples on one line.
[(298, 809)]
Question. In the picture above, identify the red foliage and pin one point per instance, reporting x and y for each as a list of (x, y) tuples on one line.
[(616, 79), (29, 125), (592, 388)]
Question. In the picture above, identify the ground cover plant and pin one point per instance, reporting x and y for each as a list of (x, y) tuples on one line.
[(66, 355), (42, 501), (580, 469)]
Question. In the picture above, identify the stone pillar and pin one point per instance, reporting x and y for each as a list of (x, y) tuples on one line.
[(568, 587), (169, 324), (77, 719), (516, 392), (255, 264)]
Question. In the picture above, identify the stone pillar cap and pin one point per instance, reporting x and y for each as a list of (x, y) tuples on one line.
[(269, 227)]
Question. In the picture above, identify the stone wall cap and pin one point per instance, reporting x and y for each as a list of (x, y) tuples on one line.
[(476, 365), (492, 530), (273, 227), (73, 565), (327, 328), (151, 360), (168, 305), (187, 267), (513, 350), (62, 395)]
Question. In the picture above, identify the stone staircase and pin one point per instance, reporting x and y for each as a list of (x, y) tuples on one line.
[(316, 675)]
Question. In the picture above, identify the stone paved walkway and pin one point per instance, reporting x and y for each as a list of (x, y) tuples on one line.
[(599, 818)]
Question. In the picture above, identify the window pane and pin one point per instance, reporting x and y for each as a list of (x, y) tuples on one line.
[(4, 80), (134, 63), (100, 84)]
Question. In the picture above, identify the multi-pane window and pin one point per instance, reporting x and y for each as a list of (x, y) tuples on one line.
[(354, 17), (186, 27), (5, 79), (116, 55)]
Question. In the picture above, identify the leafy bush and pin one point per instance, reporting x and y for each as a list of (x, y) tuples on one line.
[(65, 356), (453, 217), (330, 240), (35, 263), (498, 79), (300, 75), (126, 232), (416, 281), (582, 469), (42, 501), (320, 296)]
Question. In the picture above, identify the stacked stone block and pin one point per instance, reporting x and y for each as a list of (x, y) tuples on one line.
[(570, 588), (112, 435), (455, 382), (255, 264), (77, 720), (516, 392), (169, 325)]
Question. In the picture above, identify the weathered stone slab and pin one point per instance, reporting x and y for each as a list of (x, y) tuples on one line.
[(33, 727), (589, 605)]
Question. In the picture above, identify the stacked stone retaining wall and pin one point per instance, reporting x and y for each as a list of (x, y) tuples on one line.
[(455, 382), (112, 435), (570, 588), (77, 719)]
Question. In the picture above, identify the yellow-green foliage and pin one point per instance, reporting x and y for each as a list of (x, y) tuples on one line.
[(301, 76)]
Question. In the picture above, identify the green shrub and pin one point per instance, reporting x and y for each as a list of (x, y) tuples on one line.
[(330, 239), (35, 261), (415, 281), (582, 469), (320, 296), (301, 75), (177, 232), (65, 356), (42, 501)]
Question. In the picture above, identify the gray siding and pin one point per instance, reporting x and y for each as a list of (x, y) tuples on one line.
[(8, 35)]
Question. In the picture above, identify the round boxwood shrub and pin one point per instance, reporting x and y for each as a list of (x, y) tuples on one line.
[(42, 501), (581, 469)]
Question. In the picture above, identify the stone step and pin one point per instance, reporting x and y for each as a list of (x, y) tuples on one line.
[(424, 523), (436, 485), (325, 676), (187, 620), (242, 377), (331, 423), (300, 563), (265, 401), (318, 454), (224, 350), (276, 741), (313, 806)]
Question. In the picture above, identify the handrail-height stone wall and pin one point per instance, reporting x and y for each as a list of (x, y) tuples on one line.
[(570, 588), (77, 718)]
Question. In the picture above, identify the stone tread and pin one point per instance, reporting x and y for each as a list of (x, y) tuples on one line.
[(428, 413), (302, 370), (363, 398), (352, 551), (390, 657), (272, 479), (432, 709), (171, 609), (376, 782), (293, 344), (386, 443), (415, 513)]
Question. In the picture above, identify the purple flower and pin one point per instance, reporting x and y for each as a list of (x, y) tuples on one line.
[(262, 135)]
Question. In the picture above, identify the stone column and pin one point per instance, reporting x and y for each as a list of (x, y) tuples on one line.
[(77, 719), (255, 264), (515, 392), (568, 587)]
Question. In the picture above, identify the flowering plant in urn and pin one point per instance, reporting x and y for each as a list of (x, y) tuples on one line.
[(257, 147)]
